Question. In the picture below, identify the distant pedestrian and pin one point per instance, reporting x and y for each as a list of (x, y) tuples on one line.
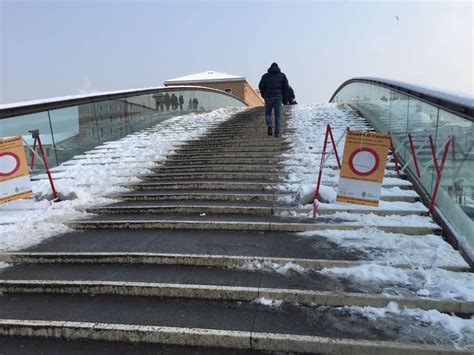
[(174, 102), (290, 98), (273, 88), (167, 100)]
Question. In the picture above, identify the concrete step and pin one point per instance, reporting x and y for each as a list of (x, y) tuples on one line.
[(245, 325), (267, 176), (186, 209), (236, 223), (15, 345), (222, 185), (188, 246), (233, 149), (205, 260), (209, 143), (221, 161), (219, 167), (177, 155), (204, 185), (197, 282), (234, 207), (224, 195)]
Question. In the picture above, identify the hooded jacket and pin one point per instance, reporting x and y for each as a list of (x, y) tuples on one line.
[(274, 83)]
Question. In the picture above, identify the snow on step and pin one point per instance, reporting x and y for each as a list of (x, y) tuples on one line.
[(90, 183)]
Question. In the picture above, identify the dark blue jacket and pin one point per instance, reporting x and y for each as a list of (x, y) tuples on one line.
[(273, 84)]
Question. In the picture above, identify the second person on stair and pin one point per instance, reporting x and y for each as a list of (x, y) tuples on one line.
[(273, 87)]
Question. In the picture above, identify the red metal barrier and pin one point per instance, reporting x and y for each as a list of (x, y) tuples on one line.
[(439, 170), (415, 161), (321, 166), (394, 154), (37, 140)]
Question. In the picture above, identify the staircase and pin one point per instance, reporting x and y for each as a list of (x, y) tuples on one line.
[(204, 256)]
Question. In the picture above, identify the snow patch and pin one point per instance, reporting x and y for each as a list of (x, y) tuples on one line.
[(436, 283), (268, 302), (461, 328), (394, 248), (255, 265)]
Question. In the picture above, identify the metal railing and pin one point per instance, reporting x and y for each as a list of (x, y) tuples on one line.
[(71, 126), (411, 114)]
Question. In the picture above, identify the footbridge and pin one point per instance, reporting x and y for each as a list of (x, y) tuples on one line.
[(197, 244)]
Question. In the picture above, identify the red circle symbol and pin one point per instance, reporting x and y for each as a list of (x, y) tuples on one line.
[(364, 161), (11, 166)]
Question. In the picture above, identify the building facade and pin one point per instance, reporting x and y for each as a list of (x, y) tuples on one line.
[(233, 84)]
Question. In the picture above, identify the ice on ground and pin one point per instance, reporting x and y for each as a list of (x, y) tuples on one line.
[(24, 223), (268, 302), (395, 248), (435, 282), (462, 329)]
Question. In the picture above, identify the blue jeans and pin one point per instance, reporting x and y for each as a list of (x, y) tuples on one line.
[(276, 104)]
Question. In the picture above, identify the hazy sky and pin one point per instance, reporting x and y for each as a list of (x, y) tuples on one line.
[(56, 48)]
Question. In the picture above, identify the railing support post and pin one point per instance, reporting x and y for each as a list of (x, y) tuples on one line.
[(439, 170)]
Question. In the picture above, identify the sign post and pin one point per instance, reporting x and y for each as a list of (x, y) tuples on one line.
[(363, 168), (14, 175)]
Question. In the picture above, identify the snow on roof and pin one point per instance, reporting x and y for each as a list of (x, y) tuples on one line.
[(460, 98), (205, 76)]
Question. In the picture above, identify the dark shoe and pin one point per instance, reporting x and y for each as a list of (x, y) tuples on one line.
[(269, 130), (277, 134)]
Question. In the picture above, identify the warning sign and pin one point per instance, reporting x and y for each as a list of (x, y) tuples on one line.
[(363, 168), (14, 175)]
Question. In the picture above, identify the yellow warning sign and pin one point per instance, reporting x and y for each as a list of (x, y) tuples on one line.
[(363, 168), (14, 175)]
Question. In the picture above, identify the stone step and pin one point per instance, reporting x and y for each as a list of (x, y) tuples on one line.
[(229, 184), (233, 149), (205, 142), (201, 185), (219, 167), (224, 195), (207, 260), (253, 210), (249, 208), (237, 223), (245, 325), (177, 155), (221, 161), (267, 176), (16, 345), (218, 285)]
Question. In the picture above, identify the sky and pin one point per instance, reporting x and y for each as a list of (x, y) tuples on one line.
[(57, 48)]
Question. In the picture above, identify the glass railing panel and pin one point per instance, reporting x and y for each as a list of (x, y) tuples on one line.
[(456, 195), (135, 114), (399, 106), (405, 114), (70, 131), (422, 122), (21, 125), (75, 130)]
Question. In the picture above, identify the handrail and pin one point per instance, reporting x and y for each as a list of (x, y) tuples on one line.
[(66, 102), (460, 105)]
